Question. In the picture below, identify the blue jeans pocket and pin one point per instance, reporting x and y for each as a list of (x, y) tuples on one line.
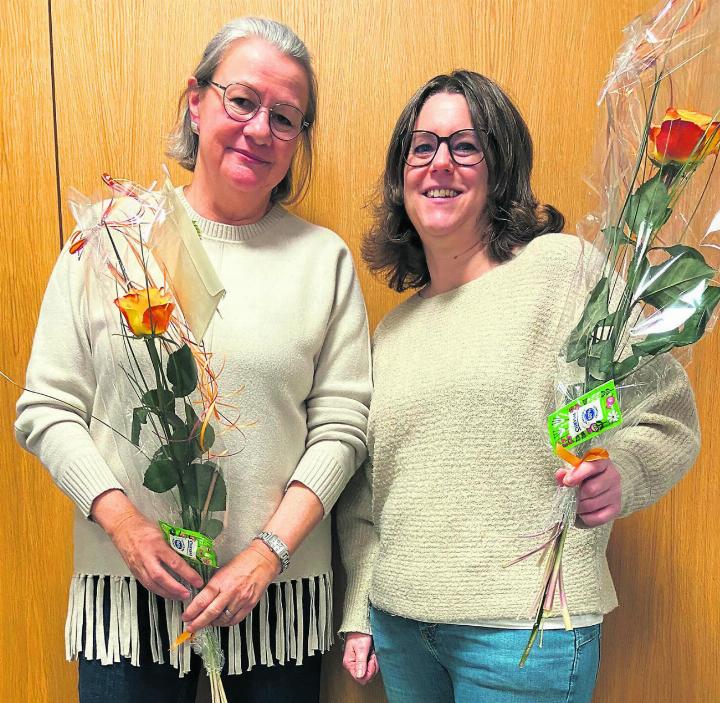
[(585, 664), (586, 635)]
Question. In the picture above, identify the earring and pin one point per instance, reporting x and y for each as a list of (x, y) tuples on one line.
[(194, 127)]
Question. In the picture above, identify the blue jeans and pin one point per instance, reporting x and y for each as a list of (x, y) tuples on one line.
[(435, 663)]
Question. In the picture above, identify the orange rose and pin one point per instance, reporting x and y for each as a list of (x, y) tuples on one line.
[(146, 311), (683, 136)]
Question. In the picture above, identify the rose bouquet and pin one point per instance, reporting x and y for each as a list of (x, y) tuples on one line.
[(644, 286), (166, 403)]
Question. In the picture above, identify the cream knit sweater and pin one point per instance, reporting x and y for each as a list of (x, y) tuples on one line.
[(460, 465), (291, 336)]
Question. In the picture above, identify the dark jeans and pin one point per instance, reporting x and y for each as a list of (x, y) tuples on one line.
[(159, 683)]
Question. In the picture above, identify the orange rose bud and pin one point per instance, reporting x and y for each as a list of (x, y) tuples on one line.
[(683, 136), (146, 311)]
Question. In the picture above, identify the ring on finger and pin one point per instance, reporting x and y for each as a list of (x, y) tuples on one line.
[(228, 614)]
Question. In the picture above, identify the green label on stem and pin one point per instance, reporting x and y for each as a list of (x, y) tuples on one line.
[(194, 546), (589, 415)]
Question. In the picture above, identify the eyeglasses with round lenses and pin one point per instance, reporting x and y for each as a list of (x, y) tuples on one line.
[(463, 145), (242, 103)]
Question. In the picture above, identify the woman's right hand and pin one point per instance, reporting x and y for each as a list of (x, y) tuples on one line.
[(142, 546), (359, 657)]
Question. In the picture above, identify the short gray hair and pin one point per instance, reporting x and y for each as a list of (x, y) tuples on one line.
[(183, 142)]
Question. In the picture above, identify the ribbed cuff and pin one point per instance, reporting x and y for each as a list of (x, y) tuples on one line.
[(359, 571), (356, 613), (322, 471), (631, 477), (86, 477)]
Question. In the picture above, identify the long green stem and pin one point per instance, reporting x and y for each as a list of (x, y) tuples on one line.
[(137, 376), (155, 360)]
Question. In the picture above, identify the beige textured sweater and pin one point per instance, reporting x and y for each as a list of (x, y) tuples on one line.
[(291, 335), (461, 466)]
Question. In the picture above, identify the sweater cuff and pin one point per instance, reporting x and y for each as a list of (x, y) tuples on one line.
[(86, 477), (322, 468), (356, 611), (356, 614), (631, 476)]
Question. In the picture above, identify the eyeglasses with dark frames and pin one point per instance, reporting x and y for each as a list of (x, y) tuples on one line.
[(464, 147), (242, 103)]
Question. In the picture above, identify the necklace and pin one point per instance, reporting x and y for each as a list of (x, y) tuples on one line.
[(470, 248)]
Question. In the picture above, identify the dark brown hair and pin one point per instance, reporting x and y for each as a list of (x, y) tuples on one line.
[(392, 247)]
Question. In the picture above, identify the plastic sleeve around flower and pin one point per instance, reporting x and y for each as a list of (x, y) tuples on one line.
[(359, 544), (337, 406), (53, 416), (659, 445)]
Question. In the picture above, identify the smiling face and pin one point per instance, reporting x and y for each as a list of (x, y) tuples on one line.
[(245, 158), (446, 201)]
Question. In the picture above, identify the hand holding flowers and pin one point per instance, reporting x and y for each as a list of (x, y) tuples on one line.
[(143, 547), (598, 498), (234, 588)]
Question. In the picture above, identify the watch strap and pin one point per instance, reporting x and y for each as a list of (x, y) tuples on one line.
[(276, 545)]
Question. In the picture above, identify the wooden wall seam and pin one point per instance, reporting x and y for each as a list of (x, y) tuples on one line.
[(55, 127)]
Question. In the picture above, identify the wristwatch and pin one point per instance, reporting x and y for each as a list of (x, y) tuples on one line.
[(273, 542)]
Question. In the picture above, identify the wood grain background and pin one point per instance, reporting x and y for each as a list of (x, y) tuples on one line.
[(92, 86)]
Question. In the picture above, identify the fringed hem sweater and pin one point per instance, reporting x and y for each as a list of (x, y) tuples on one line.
[(291, 345)]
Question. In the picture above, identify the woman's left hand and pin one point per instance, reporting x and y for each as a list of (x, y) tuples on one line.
[(599, 496), (234, 588)]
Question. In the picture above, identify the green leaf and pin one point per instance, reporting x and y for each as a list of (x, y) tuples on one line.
[(615, 236), (208, 438), (181, 446), (175, 421), (600, 360), (194, 427), (591, 383), (192, 423), (623, 368), (648, 205), (182, 371), (595, 311), (158, 401), (190, 415), (139, 418), (196, 484), (679, 274), (212, 528), (218, 502), (692, 330), (162, 473)]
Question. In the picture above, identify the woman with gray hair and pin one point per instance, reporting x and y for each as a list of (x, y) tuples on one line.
[(245, 128)]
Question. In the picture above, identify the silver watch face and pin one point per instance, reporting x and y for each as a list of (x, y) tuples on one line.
[(278, 547)]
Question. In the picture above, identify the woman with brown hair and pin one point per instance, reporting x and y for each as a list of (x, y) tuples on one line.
[(459, 463)]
